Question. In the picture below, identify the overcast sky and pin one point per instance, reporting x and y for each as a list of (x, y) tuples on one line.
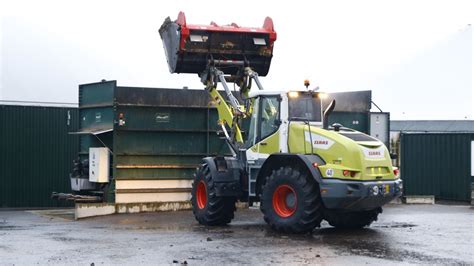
[(416, 56)]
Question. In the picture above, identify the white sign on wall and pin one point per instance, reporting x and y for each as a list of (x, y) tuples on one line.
[(99, 165)]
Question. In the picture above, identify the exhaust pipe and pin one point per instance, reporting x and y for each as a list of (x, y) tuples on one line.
[(327, 112)]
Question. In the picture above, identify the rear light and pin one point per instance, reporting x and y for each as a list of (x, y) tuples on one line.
[(396, 171), (347, 173)]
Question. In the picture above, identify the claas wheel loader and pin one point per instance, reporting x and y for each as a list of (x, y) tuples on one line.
[(299, 168)]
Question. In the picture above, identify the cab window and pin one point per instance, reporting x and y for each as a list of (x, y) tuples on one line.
[(269, 114), (305, 107), (252, 136), (265, 119)]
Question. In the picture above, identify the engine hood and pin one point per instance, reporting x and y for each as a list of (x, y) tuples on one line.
[(343, 150)]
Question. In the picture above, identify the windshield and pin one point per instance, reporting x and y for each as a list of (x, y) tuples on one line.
[(305, 106)]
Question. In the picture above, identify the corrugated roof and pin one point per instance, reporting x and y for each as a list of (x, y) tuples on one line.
[(432, 125)]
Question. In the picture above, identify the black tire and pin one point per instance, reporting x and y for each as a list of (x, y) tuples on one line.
[(216, 210), (305, 212), (352, 220)]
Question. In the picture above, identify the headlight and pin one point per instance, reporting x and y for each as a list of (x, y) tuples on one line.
[(293, 94)]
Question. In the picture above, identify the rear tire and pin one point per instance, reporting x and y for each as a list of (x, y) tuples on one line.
[(209, 209), (352, 220), (291, 202)]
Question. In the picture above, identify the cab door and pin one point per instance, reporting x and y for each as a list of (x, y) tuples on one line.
[(264, 128)]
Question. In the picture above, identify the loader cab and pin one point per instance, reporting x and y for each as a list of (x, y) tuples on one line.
[(272, 113), (265, 121)]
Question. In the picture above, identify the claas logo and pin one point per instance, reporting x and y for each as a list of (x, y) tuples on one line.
[(374, 153)]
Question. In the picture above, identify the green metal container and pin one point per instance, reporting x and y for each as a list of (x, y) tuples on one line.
[(356, 120), (352, 109), (36, 154), (437, 164), (154, 134)]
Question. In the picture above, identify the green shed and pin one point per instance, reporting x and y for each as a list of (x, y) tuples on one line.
[(438, 164), (36, 154)]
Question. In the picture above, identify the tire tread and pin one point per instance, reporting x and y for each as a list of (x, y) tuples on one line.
[(311, 213), (218, 210)]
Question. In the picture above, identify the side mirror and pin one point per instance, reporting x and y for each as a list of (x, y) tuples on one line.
[(393, 156)]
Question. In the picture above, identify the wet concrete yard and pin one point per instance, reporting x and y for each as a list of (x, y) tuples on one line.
[(404, 234)]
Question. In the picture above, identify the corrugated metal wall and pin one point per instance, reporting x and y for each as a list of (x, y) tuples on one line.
[(36, 154), (437, 164)]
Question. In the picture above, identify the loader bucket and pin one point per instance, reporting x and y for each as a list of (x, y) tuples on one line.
[(190, 48)]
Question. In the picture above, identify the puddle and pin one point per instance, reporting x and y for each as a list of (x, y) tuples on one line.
[(70, 239), (394, 225), (10, 227), (66, 214), (383, 250)]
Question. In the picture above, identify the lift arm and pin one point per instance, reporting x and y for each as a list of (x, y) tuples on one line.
[(231, 112)]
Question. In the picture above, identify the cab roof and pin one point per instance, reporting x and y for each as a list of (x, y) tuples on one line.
[(255, 93)]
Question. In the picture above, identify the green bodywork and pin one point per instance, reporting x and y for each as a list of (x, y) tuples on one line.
[(226, 116), (343, 154), (269, 145)]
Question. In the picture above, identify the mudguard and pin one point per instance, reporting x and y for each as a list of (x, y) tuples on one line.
[(226, 174), (281, 159)]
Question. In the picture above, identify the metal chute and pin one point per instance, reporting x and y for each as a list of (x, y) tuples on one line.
[(192, 48)]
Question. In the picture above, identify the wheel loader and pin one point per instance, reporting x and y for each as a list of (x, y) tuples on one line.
[(300, 169)]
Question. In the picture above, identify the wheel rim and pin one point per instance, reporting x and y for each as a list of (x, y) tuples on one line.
[(201, 195), (284, 201)]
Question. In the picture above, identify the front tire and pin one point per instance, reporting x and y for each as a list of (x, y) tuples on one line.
[(352, 220), (291, 202), (208, 208)]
